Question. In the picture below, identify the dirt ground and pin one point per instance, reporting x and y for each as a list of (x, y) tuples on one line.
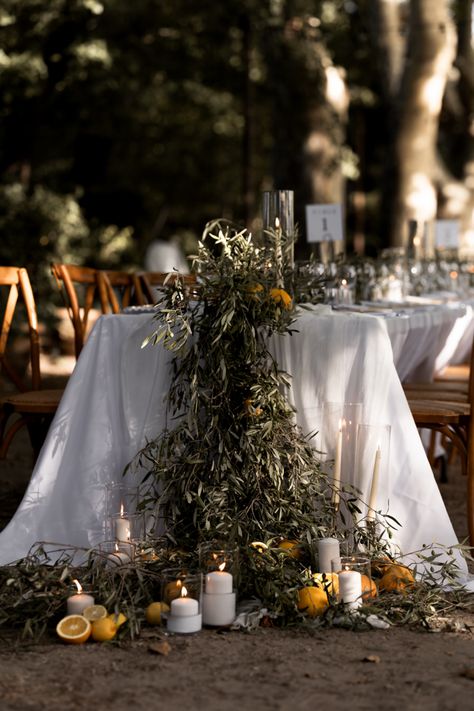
[(268, 669)]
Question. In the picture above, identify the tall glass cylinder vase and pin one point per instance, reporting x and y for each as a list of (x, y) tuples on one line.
[(372, 459), (279, 233)]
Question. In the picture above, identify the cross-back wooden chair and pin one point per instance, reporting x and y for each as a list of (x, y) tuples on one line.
[(32, 406), (452, 416), (85, 290), (146, 283)]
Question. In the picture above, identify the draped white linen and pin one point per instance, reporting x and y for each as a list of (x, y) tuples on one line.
[(115, 401)]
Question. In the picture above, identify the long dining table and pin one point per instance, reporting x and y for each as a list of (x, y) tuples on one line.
[(115, 402)]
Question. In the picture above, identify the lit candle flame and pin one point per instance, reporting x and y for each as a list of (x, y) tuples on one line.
[(277, 223), (121, 509), (222, 566), (184, 591), (78, 585)]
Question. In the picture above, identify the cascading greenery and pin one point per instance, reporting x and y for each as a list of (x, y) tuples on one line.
[(234, 466)]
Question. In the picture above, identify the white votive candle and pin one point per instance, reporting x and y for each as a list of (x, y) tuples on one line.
[(184, 607), (219, 582), (118, 558), (350, 588), (328, 551), (76, 604)]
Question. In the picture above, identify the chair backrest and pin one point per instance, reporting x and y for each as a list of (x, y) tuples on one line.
[(79, 288), (145, 284), (83, 289), (117, 290), (15, 284)]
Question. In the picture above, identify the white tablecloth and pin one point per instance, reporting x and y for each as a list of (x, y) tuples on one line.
[(114, 402)]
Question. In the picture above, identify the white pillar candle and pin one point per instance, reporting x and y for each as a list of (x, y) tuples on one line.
[(218, 610), (350, 588), (374, 486), (76, 604), (219, 582), (122, 528), (184, 607), (328, 551), (337, 467)]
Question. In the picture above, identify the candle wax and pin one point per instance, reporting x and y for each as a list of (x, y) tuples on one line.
[(76, 604), (184, 607), (219, 582)]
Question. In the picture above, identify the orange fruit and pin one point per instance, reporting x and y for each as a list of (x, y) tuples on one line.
[(154, 611), (104, 630), (397, 578), (313, 601), (172, 591), (292, 548), (282, 298), (74, 629), (369, 588), (328, 582)]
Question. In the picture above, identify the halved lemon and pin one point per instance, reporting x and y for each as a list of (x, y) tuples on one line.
[(74, 629), (94, 612)]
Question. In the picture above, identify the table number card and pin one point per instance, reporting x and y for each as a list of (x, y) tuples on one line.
[(446, 233), (324, 223)]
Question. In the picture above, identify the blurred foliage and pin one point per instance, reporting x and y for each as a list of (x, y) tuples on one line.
[(122, 122)]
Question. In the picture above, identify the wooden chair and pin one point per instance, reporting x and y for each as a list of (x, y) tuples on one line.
[(32, 406), (85, 290), (453, 417), (145, 283)]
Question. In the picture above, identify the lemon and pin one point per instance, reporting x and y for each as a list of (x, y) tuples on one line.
[(328, 582), (292, 548), (153, 612), (103, 630), (94, 612), (74, 629), (282, 298), (313, 601), (118, 618)]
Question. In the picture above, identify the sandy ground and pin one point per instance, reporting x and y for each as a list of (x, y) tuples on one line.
[(268, 669)]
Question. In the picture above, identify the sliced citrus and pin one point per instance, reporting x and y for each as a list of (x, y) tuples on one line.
[(94, 612), (74, 629), (118, 618), (103, 630)]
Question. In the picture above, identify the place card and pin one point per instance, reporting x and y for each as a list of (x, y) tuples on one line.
[(324, 223), (446, 233)]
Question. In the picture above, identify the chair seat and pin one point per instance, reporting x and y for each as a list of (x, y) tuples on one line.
[(436, 411), (454, 372), (439, 386), (34, 401), (436, 394)]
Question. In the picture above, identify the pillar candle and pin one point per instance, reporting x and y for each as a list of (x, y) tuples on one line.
[(328, 551), (350, 588), (184, 607), (76, 604), (219, 582), (122, 529)]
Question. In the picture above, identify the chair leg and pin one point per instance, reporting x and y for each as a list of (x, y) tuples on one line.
[(470, 485), (8, 436), (38, 429)]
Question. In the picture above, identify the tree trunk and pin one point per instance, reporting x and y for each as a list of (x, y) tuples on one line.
[(431, 51)]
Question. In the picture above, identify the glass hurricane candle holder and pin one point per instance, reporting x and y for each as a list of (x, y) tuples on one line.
[(279, 233), (355, 579), (126, 527), (115, 554), (220, 566), (182, 594), (339, 429)]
